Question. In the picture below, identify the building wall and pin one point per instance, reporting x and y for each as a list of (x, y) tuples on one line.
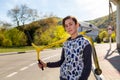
[(93, 33)]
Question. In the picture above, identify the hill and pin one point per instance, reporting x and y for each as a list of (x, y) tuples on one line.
[(104, 21)]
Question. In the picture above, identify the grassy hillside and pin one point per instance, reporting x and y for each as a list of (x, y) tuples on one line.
[(104, 21)]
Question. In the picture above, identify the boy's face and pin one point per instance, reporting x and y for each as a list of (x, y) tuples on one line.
[(70, 26)]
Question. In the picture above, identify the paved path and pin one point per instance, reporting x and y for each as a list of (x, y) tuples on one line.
[(109, 61)]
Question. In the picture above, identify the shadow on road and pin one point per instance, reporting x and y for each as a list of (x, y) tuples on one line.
[(109, 53), (114, 60)]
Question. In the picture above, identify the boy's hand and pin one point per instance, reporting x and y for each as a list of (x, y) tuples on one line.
[(41, 64)]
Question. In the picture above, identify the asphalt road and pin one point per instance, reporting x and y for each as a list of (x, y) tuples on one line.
[(23, 66)]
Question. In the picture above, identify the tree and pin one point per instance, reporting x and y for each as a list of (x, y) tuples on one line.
[(44, 38), (113, 36), (50, 35), (15, 15), (4, 24), (17, 37), (1, 39), (103, 35), (60, 33), (7, 43), (22, 14)]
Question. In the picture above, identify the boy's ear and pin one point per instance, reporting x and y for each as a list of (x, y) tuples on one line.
[(78, 25)]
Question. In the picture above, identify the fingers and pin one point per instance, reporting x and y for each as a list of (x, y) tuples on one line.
[(41, 64)]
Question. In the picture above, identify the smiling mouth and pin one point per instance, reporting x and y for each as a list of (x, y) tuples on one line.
[(69, 30)]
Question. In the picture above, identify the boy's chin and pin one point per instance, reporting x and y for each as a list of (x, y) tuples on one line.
[(70, 33)]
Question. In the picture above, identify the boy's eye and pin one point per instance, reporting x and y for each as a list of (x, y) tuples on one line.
[(70, 24), (66, 25)]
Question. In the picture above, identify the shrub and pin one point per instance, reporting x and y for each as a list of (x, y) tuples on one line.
[(17, 37), (7, 43), (98, 39), (113, 37), (1, 39)]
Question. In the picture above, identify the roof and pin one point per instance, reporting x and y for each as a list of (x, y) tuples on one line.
[(88, 25)]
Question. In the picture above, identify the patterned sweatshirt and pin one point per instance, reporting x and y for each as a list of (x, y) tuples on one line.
[(75, 62)]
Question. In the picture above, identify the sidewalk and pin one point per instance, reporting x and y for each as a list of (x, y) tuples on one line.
[(109, 61)]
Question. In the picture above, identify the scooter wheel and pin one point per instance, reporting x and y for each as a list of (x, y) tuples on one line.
[(98, 71)]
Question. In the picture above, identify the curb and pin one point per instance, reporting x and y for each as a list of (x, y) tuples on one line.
[(13, 53)]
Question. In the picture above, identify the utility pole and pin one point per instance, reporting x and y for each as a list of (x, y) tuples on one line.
[(117, 3), (118, 26), (110, 32)]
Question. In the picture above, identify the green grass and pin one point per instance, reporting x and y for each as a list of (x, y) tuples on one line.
[(16, 49)]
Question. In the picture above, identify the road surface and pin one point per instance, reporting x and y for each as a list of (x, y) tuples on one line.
[(24, 66)]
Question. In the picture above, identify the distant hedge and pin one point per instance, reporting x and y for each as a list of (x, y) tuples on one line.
[(12, 37)]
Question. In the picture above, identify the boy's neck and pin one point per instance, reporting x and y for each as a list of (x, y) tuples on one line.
[(74, 36)]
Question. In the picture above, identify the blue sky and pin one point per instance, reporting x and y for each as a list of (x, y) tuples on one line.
[(81, 9)]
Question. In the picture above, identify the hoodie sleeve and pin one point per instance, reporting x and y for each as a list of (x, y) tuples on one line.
[(57, 63), (87, 62)]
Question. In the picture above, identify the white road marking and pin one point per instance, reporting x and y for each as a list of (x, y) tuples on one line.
[(24, 68), (32, 64), (12, 74), (50, 57)]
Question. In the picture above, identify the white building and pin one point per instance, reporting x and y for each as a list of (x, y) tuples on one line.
[(86, 26)]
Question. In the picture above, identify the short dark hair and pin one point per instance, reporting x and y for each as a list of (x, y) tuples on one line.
[(69, 17)]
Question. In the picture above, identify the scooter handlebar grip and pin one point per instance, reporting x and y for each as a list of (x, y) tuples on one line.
[(41, 64)]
